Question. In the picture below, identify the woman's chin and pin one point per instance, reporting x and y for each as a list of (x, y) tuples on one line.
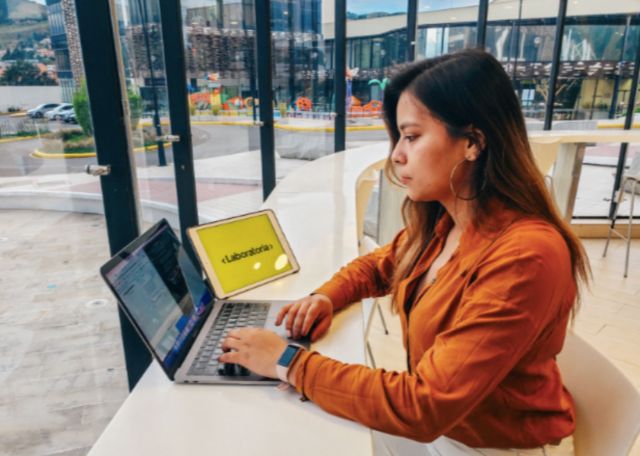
[(420, 198)]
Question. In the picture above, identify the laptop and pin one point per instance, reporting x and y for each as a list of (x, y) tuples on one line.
[(176, 313)]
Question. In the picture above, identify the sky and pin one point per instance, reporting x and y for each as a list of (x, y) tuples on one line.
[(385, 6), (400, 6)]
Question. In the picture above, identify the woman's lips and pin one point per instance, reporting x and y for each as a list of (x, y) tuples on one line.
[(404, 179)]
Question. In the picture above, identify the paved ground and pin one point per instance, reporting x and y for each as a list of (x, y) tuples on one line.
[(208, 140), (219, 176)]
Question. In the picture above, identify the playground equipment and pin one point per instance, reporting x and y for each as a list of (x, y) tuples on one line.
[(304, 104)]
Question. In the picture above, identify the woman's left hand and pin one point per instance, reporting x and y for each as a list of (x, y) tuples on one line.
[(256, 349)]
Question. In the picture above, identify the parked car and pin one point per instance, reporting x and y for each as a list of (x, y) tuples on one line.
[(39, 111), (56, 113), (69, 117)]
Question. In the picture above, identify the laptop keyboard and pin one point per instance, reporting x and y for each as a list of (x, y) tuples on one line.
[(232, 315)]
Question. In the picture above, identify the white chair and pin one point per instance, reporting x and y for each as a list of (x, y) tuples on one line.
[(545, 154), (607, 404), (364, 189)]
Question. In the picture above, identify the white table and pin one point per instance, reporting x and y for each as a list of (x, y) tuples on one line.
[(570, 147), (316, 206)]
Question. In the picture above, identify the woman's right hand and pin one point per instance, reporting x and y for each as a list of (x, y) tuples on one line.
[(311, 313)]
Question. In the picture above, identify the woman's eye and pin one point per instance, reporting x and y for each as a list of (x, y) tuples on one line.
[(409, 138)]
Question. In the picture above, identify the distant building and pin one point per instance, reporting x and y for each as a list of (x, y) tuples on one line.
[(65, 43), (220, 38), (4, 11)]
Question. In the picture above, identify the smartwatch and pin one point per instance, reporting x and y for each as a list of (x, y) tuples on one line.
[(282, 367)]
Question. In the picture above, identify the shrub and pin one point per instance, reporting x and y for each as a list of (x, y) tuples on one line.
[(135, 108), (81, 108), (282, 107)]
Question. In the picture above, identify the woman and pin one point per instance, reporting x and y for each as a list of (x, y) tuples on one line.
[(484, 279)]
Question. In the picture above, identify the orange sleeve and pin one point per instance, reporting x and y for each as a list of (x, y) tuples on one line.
[(366, 276), (513, 294)]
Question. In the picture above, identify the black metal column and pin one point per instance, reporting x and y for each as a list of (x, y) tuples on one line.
[(517, 44), (555, 64), (220, 14), (340, 74), (616, 83), (292, 53), (142, 8), (628, 122), (315, 52), (265, 91), (110, 131), (483, 11), (175, 71), (412, 24)]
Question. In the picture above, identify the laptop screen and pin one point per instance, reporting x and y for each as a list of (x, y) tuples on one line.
[(162, 291)]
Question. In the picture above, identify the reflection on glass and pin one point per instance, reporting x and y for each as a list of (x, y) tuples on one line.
[(302, 81), (445, 27), (376, 41), (222, 85), (140, 36)]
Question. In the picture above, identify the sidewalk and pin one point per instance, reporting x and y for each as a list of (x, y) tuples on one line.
[(225, 185), (231, 184)]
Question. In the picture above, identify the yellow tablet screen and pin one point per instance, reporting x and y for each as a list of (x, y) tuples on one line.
[(244, 252)]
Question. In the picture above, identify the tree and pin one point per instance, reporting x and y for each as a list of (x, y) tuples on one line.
[(23, 73), (83, 115), (543, 88)]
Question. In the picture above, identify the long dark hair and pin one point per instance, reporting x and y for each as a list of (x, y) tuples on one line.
[(471, 89)]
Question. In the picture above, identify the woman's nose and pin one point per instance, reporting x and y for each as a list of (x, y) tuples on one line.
[(398, 156)]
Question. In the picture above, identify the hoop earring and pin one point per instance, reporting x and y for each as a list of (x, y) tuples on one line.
[(453, 190)]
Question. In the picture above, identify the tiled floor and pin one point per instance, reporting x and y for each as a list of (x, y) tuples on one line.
[(61, 366), (61, 362)]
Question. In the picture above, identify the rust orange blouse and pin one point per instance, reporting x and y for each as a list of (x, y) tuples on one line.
[(481, 342)]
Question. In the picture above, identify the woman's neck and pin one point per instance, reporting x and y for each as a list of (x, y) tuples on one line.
[(460, 211)]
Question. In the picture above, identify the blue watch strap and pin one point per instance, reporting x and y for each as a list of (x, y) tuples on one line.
[(288, 354)]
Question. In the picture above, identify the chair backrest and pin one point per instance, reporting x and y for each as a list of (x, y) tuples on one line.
[(545, 155), (364, 188), (607, 404)]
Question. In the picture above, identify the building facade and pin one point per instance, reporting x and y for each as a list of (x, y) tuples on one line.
[(65, 43)]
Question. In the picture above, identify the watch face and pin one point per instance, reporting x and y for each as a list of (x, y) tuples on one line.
[(287, 355)]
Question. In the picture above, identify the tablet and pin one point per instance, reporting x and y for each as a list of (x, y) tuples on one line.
[(242, 252)]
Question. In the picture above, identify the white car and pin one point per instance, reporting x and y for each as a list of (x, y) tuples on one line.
[(39, 111), (56, 113)]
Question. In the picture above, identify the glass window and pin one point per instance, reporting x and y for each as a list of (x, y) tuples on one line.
[(142, 51), (222, 86), (446, 27), (60, 345), (377, 33), (520, 34), (303, 82), (596, 75)]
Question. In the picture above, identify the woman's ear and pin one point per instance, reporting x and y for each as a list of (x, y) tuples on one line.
[(476, 145)]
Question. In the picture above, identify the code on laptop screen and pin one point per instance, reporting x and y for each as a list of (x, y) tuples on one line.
[(163, 292)]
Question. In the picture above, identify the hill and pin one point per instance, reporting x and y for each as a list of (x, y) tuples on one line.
[(20, 10)]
